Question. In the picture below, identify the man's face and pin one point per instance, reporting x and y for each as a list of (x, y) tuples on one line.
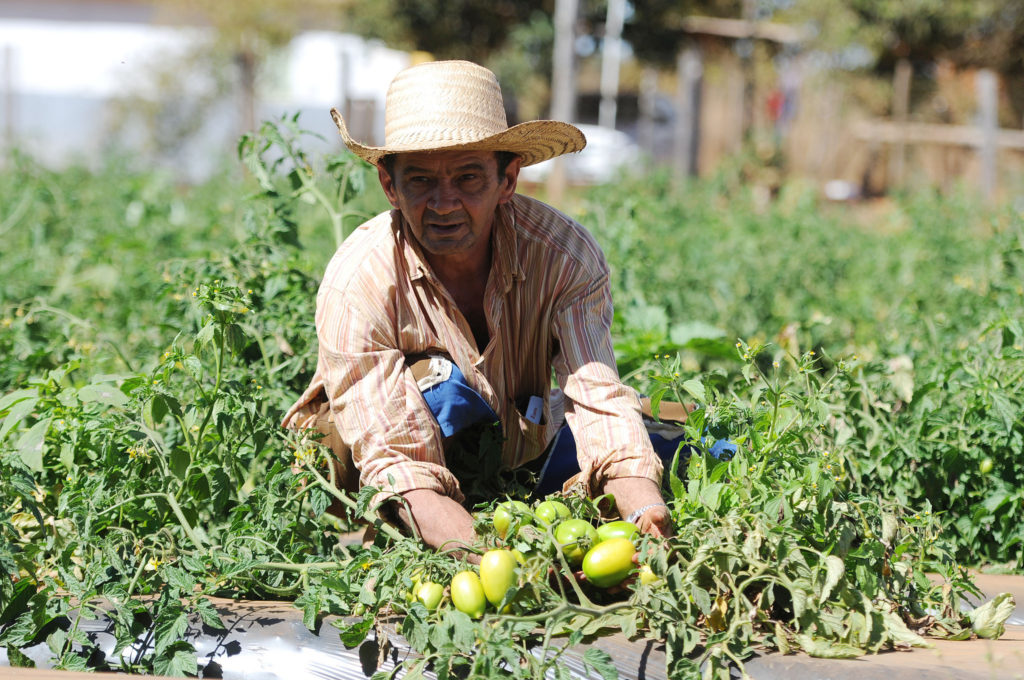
[(448, 199)]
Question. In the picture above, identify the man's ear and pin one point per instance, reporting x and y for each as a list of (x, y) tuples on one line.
[(388, 185), (511, 180)]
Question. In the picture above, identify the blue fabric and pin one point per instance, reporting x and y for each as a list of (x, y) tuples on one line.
[(723, 449), (562, 463), (456, 405)]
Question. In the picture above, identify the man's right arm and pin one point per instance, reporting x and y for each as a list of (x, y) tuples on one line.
[(381, 416), (441, 522)]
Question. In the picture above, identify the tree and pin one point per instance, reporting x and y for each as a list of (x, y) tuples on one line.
[(454, 29)]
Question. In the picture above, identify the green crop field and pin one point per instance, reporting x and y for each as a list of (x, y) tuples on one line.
[(867, 359)]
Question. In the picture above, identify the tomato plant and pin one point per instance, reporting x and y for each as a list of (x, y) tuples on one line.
[(144, 470)]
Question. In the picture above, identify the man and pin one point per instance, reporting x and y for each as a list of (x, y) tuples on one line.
[(467, 285)]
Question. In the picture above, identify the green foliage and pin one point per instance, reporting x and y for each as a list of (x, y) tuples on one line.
[(467, 29), (875, 397), (927, 294)]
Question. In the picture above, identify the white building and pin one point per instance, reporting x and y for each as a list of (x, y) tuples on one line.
[(69, 69)]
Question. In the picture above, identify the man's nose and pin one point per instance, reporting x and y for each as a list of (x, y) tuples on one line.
[(444, 198)]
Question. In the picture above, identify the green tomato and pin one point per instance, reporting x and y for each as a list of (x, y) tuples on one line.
[(497, 574), (618, 529), (609, 562), (549, 512), (468, 594), (504, 513), (575, 536), (416, 576), (648, 577), (985, 466), (430, 594)]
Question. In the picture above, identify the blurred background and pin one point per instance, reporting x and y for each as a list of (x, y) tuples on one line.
[(860, 97)]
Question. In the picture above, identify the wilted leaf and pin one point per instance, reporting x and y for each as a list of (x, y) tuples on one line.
[(900, 634), (834, 570), (889, 526), (989, 620), (826, 649), (717, 618)]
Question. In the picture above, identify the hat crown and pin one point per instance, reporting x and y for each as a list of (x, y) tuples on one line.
[(457, 105), (454, 102)]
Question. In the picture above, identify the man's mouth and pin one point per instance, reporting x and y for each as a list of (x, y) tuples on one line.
[(445, 226)]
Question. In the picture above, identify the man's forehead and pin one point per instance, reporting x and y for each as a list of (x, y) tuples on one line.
[(445, 160)]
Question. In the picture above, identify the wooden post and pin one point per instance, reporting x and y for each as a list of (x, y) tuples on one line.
[(745, 49), (344, 102), (246, 59), (648, 97), (611, 57), (690, 74), (900, 111), (563, 87), (988, 122)]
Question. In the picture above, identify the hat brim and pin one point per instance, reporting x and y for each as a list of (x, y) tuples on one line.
[(534, 141)]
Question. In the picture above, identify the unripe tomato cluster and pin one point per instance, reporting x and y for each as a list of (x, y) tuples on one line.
[(472, 592), (604, 554)]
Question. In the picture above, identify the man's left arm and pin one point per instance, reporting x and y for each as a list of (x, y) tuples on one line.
[(614, 450)]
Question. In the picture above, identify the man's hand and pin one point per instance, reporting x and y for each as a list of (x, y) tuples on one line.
[(440, 521), (633, 493)]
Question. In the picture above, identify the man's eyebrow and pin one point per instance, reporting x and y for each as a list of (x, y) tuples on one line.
[(468, 165)]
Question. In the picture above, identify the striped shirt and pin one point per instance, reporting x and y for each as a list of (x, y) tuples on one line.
[(548, 307)]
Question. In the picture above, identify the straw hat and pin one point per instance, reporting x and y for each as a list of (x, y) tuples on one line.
[(457, 105)]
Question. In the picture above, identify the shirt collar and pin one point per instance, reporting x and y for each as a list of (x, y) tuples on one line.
[(505, 254), (415, 264)]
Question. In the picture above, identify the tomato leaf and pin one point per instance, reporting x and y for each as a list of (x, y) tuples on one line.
[(30, 445), (353, 634), (178, 659), (600, 662), (102, 393), (209, 614), (834, 570), (18, 412)]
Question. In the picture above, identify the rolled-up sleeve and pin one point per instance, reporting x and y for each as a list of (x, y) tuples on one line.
[(602, 412), (376, 405)]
